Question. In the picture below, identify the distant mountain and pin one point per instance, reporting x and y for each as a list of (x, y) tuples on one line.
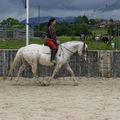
[(35, 20)]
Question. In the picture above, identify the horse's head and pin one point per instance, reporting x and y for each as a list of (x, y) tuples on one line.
[(82, 51)]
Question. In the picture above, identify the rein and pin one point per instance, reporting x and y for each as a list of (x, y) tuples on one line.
[(62, 46), (63, 50), (66, 49)]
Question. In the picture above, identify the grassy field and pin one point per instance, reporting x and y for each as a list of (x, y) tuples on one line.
[(100, 45), (15, 44), (99, 31)]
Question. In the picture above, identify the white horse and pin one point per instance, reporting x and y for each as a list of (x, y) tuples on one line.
[(34, 53)]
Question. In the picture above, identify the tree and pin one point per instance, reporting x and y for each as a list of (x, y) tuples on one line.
[(80, 28), (85, 19), (63, 29), (10, 22), (79, 19), (82, 19), (93, 21)]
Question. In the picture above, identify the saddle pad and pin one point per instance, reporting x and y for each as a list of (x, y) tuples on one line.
[(46, 50)]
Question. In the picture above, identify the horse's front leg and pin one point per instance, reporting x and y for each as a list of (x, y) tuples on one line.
[(56, 69), (67, 66)]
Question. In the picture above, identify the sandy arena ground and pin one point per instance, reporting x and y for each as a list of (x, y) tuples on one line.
[(93, 99)]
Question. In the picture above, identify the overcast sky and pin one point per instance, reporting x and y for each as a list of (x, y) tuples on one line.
[(61, 8)]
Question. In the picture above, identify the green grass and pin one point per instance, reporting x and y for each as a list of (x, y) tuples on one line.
[(15, 44), (99, 31), (98, 46)]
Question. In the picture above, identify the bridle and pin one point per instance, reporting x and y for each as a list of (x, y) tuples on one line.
[(62, 46)]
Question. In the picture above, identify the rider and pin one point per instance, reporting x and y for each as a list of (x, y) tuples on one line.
[(51, 39)]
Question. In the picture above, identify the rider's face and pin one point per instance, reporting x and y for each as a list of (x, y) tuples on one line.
[(54, 22)]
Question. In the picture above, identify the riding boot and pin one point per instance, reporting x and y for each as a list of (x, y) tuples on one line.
[(53, 53)]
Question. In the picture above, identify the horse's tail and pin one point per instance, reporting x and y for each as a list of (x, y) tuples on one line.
[(16, 60)]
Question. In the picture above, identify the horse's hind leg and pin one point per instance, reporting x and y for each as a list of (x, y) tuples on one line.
[(21, 69), (67, 66), (34, 71)]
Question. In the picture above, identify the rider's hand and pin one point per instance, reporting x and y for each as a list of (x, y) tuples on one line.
[(58, 41)]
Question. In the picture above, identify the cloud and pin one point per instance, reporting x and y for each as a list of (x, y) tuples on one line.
[(114, 5), (98, 8), (68, 4), (11, 8)]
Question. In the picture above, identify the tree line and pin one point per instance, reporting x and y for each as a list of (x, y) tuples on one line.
[(12, 23), (82, 24)]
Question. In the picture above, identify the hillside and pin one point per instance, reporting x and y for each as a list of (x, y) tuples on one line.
[(36, 20)]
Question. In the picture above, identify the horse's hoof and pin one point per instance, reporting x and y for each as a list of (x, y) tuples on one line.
[(42, 84), (16, 81), (45, 84), (76, 84)]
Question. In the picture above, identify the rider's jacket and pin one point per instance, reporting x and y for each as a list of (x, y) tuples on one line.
[(52, 33)]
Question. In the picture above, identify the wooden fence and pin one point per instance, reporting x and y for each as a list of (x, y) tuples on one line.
[(98, 64)]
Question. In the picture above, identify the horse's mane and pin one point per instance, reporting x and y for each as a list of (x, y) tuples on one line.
[(71, 43)]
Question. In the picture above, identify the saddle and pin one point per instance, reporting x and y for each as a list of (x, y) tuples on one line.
[(46, 49)]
